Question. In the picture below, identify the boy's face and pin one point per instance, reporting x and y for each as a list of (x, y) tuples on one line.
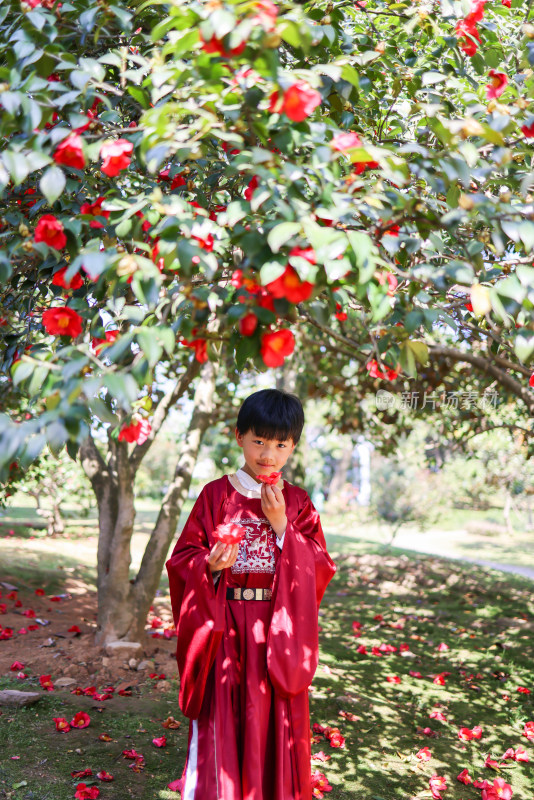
[(263, 456)]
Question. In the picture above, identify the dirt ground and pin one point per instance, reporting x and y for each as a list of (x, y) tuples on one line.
[(52, 650)]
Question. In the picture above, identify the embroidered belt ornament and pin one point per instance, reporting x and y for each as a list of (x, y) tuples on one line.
[(249, 594)]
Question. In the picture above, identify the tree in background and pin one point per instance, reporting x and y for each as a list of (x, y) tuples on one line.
[(219, 184)]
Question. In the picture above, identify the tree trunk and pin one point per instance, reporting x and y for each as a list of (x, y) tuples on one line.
[(56, 525), (123, 603), (506, 512)]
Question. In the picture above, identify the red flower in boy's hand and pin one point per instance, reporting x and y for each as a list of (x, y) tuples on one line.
[(271, 479), (229, 533)]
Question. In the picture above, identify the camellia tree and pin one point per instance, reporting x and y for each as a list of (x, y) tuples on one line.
[(192, 189)]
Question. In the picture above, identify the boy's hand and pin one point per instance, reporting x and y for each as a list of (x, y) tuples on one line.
[(274, 507), (222, 556)]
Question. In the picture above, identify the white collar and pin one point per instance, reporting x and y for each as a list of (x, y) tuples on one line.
[(248, 482)]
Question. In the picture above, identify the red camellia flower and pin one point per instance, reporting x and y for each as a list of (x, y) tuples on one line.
[(319, 784), (215, 45), (95, 210), (528, 130), (58, 279), (297, 103), (466, 32), (229, 533), (470, 733), (276, 346), (424, 754), (531, 380), (50, 230), (62, 321), (82, 773), (340, 314), (115, 156), (345, 141), (248, 324), (46, 683), (251, 188), (464, 777), (160, 741), (16, 665), (499, 791), (507, 3), (528, 731), (270, 479), (391, 280), (516, 755), (80, 720), (523, 690), (206, 242), (84, 792), (289, 285), (104, 776), (437, 784), (98, 344), (61, 724), (200, 347), (70, 152), (362, 166), (497, 85), (137, 431), (375, 372)]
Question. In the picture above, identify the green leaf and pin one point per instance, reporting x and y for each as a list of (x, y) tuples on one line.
[(407, 360), (365, 254), (431, 77), (124, 388), (52, 183), (150, 346), (420, 351), (37, 380), (21, 370), (56, 436), (526, 234), (281, 234), (247, 348), (167, 337), (524, 345)]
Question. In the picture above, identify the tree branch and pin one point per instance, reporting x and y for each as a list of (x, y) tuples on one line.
[(162, 409)]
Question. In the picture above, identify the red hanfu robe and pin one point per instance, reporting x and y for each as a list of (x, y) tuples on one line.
[(245, 665)]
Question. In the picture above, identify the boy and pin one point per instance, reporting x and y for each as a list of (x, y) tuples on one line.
[(247, 618)]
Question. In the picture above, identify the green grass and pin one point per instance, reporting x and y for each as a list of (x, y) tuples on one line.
[(485, 618), (47, 757)]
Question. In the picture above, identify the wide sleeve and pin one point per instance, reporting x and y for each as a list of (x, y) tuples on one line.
[(198, 606), (304, 571)]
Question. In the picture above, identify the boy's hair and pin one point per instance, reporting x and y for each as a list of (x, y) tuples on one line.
[(272, 414)]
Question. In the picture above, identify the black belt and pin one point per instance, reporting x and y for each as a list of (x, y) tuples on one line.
[(249, 594)]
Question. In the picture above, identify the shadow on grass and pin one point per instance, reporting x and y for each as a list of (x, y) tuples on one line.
[(30, 571), (473, 624)]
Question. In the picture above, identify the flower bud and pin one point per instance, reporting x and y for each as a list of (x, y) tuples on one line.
[(127, 266)]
